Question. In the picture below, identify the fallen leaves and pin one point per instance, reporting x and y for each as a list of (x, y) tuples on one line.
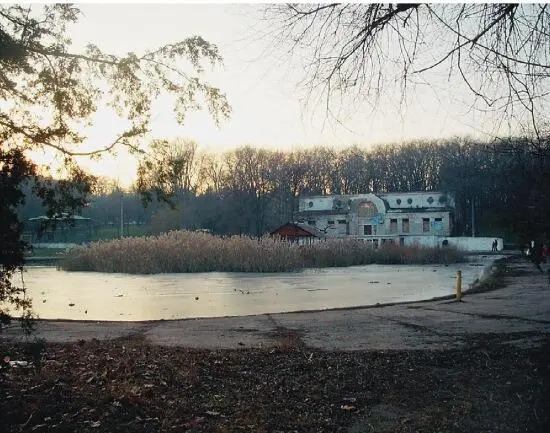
[(128, 386)]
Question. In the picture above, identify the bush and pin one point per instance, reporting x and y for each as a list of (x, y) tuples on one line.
[(182, 251)]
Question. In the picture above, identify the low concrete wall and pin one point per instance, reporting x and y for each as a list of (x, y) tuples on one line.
[(53, 245), (478, 244)]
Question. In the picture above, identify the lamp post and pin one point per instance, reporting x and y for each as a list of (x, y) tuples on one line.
[(121, 214), (473, 217)]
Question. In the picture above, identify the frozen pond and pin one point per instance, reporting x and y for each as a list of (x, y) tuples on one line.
[(102, 296)]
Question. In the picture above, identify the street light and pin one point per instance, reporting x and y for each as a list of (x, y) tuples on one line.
[(121, 214)]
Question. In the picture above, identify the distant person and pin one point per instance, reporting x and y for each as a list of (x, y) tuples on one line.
[(495, 246), (536, 255), (530, 248), (545, 260)]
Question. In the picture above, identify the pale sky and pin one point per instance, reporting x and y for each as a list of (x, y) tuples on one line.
[(263, 92)]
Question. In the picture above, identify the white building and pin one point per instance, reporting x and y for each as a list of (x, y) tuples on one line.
[(412, 218), (380, 218)]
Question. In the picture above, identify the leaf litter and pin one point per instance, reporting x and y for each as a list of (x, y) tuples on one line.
[(131, 386)]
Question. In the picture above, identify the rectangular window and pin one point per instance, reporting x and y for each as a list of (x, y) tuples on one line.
[(425, 225), (393, 225), (342, 221), (438, 224), (311, 222), (406, 226), (330, 222), (367, 230)]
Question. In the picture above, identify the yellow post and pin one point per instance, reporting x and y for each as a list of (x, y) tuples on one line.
[(458, 285)]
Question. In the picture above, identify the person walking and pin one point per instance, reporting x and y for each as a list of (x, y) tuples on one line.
[(545, 260), (537, 255)]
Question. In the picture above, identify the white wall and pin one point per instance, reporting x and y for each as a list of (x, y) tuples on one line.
[(475, 244), (419, 200), (318, 203), (53, 245), (481, 244)]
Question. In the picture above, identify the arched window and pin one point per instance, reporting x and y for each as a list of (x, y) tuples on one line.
[(367, 209)]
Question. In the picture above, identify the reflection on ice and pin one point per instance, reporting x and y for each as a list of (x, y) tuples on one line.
[(99, 296)]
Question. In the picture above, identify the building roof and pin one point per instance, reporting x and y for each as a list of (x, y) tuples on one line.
[(308, 231), (306, 213), (417, 209), (59, 217)]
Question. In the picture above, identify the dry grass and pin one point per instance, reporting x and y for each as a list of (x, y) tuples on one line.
[(182, 251)]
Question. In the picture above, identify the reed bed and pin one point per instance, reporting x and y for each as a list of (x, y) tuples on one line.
[(183, 251)]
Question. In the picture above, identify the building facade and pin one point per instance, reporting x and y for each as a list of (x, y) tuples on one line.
[(379, 218)]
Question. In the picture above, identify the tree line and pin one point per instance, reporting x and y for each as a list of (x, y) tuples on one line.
[(499, 187)]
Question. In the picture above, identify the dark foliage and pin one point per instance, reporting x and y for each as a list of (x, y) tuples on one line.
[(49, 96)]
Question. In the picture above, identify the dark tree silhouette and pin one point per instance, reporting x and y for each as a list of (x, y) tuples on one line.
[(49, 95)]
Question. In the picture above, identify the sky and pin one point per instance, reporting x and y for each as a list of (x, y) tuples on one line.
[(264, 92)]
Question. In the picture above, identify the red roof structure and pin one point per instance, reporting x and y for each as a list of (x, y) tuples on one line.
[(295, 232)]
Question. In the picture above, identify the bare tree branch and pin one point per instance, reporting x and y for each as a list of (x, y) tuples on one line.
[(351, 50)]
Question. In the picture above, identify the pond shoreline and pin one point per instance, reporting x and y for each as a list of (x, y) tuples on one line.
[(517, 304)]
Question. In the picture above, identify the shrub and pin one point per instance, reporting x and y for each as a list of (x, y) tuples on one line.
[(183, 251)]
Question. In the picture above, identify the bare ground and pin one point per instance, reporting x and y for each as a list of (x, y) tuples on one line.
[(126, 385)]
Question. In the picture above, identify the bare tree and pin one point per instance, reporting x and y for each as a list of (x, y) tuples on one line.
[(211, 172), (250, 177), (170, 169), (500, 52)]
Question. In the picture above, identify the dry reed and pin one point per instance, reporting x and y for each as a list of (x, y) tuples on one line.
[(183, 251)]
